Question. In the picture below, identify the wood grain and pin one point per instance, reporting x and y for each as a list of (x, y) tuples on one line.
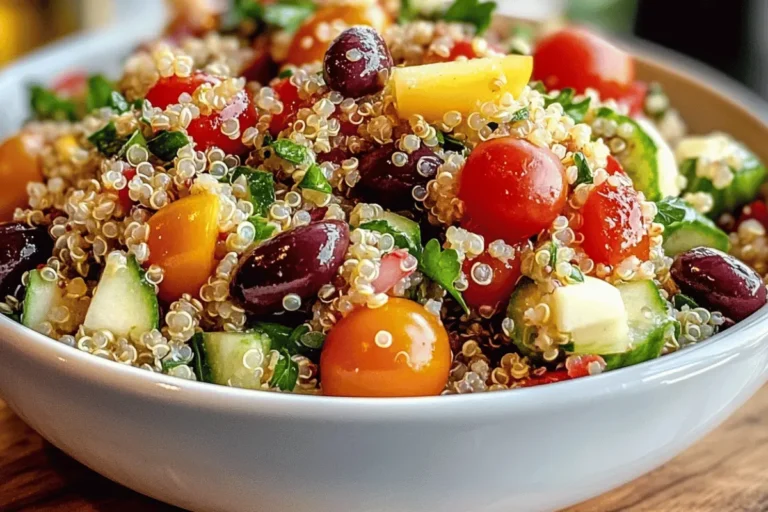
[(726, 471)]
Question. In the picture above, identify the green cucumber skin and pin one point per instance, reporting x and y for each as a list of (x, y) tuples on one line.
[(220, 353), (35, 287), (526, 295), (650, 349), (640, 163), (200, 363), (744, 188), (680, 237)]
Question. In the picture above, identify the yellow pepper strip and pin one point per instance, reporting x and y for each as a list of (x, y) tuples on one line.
[(432, 90)]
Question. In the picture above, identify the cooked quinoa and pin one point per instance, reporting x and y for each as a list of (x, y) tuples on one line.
[(285, 158)]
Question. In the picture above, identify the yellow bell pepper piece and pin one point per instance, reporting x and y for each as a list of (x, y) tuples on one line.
[(432, 90)]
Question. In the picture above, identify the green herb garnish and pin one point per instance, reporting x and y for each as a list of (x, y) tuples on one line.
[(165, 145), (576, 110), (673, 209), (286, 73), (681, 300), (289, 150), (577, 276), (264, 230), (106, 140), (99, 91), (584, 174), (261, 187), (46, 104), (286, 372), (283, 14), (473, 12), (450, 143), (443, 267), (407, 12), (520, 115), (314, 179), (403, 240)]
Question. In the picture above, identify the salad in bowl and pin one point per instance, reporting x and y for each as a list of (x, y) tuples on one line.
[(360, 199)]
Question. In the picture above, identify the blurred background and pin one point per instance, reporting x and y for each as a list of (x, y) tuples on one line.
[(728, 35)]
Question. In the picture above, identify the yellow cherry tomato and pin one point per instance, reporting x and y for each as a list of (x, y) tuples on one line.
[(19, 165), (398, 349)]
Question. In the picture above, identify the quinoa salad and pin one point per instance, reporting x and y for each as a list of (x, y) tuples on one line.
[(374, 198)]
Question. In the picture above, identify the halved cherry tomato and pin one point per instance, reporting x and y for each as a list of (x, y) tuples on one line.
[(19, 165), (312, 39), (206, 129), (578, 365), (549, 377), (398, 349), (123, 194), (612, 225), (511, 189), (634, 98), (614, 166), (391, 271), (182, 240), (288, 94), (755, 210), (71, 85), (577, 58), (498, 290), (461, 48)]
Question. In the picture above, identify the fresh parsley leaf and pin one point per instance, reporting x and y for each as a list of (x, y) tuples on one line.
[(584, 172), (289, 150), (202, 370), (286, 73), (473, 12), (577, 110), (403, 240), (46, 104), (681, 300), (264, 230), (286, 372), (671, 210), (99, 91), (443, 267), (313, 340), (552, 254), (165, 145), (314, 179), (261, 187), (520, 115), (288, 14), (106, 140), (407, 12), (136, 139)]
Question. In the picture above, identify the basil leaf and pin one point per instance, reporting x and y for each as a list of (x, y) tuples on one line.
[(520, 115), (472, 12), (584, 174), (165, 145), (314, 179), (106, 140), (286, 372), (46, 104), (443, 267), (136, 139), (261, 187), (289, 150)]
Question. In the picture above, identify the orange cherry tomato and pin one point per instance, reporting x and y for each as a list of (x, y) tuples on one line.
[(399, 349), (206, 129), (579, 59), (498, 289), (182, 240), (612, 225), (316, 34), (511, 189), (19, 165)]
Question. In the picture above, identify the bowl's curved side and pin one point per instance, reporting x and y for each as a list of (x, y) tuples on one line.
[(214, 448)]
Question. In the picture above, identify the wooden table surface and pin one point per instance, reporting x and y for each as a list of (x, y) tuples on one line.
[(726, 471)]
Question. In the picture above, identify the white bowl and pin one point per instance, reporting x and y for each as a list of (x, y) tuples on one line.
[(205, 447)]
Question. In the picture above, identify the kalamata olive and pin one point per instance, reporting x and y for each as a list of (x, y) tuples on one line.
[(357, 62), (389, 182), (719, 282), (22, 248), (298, 262)]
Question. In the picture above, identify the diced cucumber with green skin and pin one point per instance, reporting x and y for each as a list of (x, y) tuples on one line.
[(406, 232), (40, 298), (649, 321), (742, 190), (220, 357), (525, 296), (648, 160), (124, 302), (686, 228)]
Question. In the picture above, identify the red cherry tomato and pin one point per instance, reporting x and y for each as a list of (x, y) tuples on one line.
[(578, 365), (71, 85), (462, 48), (549, 377), (755, 210), (288, 94), (398, 349), (511, 189), (612, 225), (122, 195), (261, 68), (576, 58), (206, 129), (634, 98), (501, 285), (613, 166)]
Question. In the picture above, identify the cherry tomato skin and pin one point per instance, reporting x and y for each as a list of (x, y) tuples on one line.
[(288, 94), (416, 362), (168, 89), (206, 130), (461, 48), (123, 194), (634, 98), (71, 85), (498, 291), (578, 365), (614, 166), (549, 377), (612, 225), (511, 189), (755, 210), (576, 58)]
